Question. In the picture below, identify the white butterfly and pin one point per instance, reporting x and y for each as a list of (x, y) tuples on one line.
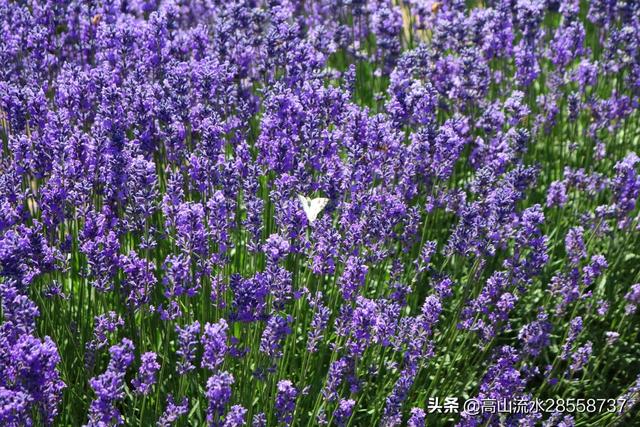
[(312, 207)]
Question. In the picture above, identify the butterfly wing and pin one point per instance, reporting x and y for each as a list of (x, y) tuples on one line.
[(312, 207), (305, 202), (316, 206)]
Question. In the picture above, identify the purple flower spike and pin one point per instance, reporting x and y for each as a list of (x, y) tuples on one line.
[(344, 411), (214, 341), (147, 373), (285, 401), (109, 387), (218, 394)]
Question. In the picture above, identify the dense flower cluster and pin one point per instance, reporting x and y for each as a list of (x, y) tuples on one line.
[(320, 212)]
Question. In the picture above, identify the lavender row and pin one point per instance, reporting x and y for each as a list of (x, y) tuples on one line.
[(317, 213)]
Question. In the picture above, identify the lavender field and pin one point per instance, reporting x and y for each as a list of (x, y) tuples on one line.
[(319, 213)]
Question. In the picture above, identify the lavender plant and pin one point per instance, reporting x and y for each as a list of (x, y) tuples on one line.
[(289, 213)]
